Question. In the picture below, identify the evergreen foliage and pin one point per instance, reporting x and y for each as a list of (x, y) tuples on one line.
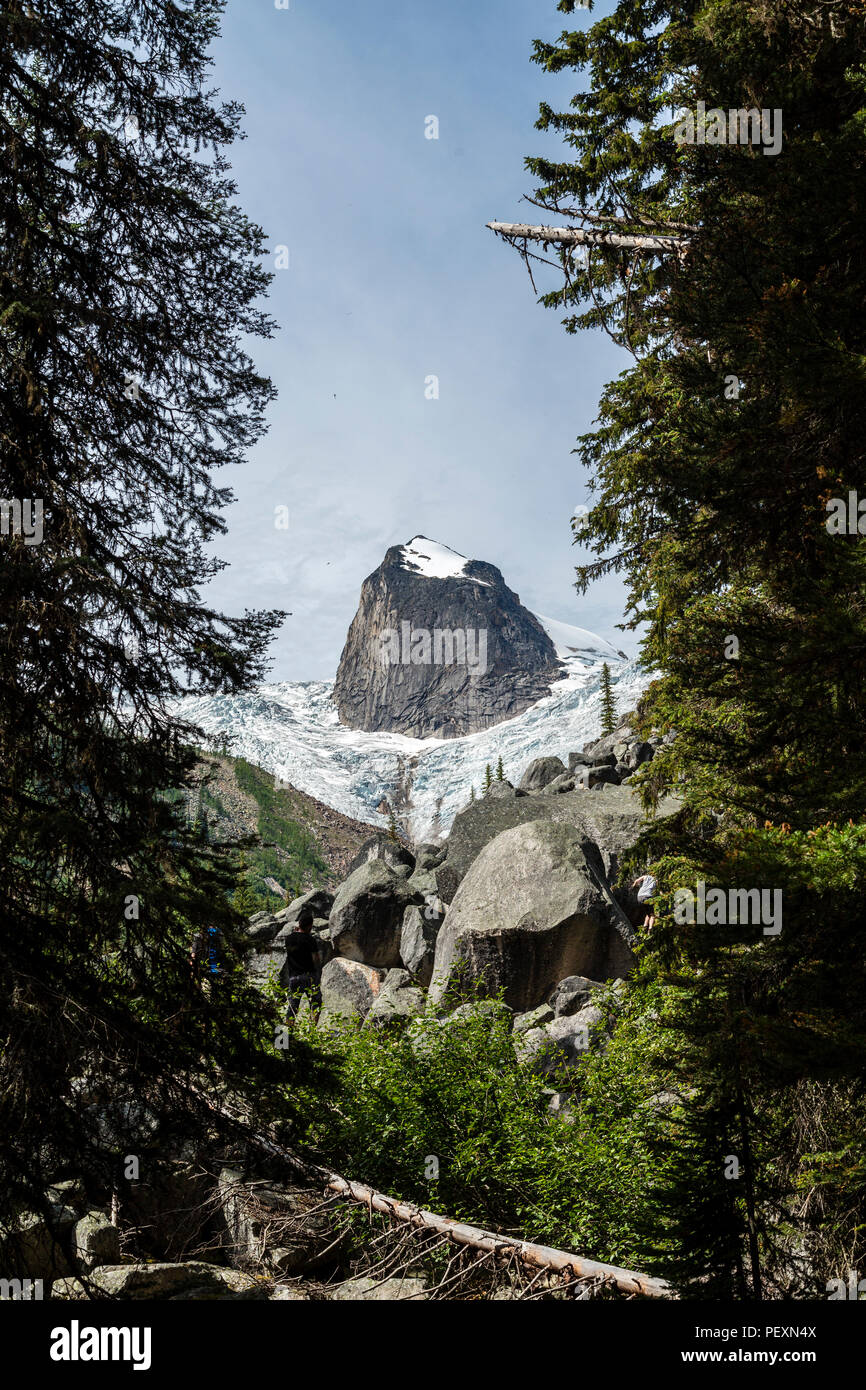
[(129, 283), (714, 466), (608, 703)]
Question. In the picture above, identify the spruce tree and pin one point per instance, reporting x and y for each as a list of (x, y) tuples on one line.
[(500, 770), (608, 704), (488, 779), (129, 289), (719, 466)]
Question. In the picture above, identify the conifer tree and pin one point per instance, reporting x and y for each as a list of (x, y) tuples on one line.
[(608, 704), (488, 779), (129, 289), (500, 770), (718, 468)]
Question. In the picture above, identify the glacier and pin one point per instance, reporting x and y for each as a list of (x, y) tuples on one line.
[(293, 731)]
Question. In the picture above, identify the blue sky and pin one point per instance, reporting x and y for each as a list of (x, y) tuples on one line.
[(393, 278)]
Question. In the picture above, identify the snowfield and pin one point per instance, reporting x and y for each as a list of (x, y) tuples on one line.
[(292, 730)]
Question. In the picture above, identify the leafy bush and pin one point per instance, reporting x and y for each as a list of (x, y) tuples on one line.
[(455, 1092)]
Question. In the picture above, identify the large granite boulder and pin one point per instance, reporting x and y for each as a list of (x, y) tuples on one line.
[(428, 855), (389, 851), (349, 987), (367, 916), (561, 1042), (95, 1241), (418, 935), (572, 994), (261, 928), (540, 772), (150, 1281), (318, 900), (398, 999), (29, 1244), (612, 823), (366, 1290), (532, 909), (267, 960), (563, 783)]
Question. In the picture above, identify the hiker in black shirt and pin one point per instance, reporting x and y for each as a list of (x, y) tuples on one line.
[(300, 965)]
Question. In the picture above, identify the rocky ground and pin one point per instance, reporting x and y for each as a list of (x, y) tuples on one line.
[(520, 905)]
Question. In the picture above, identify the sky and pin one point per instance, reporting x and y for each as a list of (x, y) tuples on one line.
[(392, 279)]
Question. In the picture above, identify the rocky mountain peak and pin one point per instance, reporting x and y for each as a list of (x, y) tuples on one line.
[(440, 647)]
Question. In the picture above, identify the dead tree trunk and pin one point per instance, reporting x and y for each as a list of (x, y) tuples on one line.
[(582, 236)]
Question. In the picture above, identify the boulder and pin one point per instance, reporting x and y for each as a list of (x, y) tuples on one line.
[(383, 848), (533, 908), (503, 791), (369, 1290), (428, 856), (573, 1033), (147, 1281), (349, 987), (540, 772), (29, 1246), (537, 1051), (262, 928), (273, 1226), (561, 1042), (418, 938), (612, 824), (636, 754), (564, 783), (536, 1018), (398, 999), (318, 900), (95, 1242), (367, 916), (571, 994), (599, 759), (267, 960), (479, 1008), (422, 884), (599, 777)]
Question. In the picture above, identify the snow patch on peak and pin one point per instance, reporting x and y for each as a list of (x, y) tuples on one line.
[(434, 561)]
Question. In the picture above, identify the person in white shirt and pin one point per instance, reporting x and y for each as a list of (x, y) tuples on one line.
[(646, 887)]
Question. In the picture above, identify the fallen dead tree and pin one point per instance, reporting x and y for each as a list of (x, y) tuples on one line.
[(538, 1256), (563, 1263)]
